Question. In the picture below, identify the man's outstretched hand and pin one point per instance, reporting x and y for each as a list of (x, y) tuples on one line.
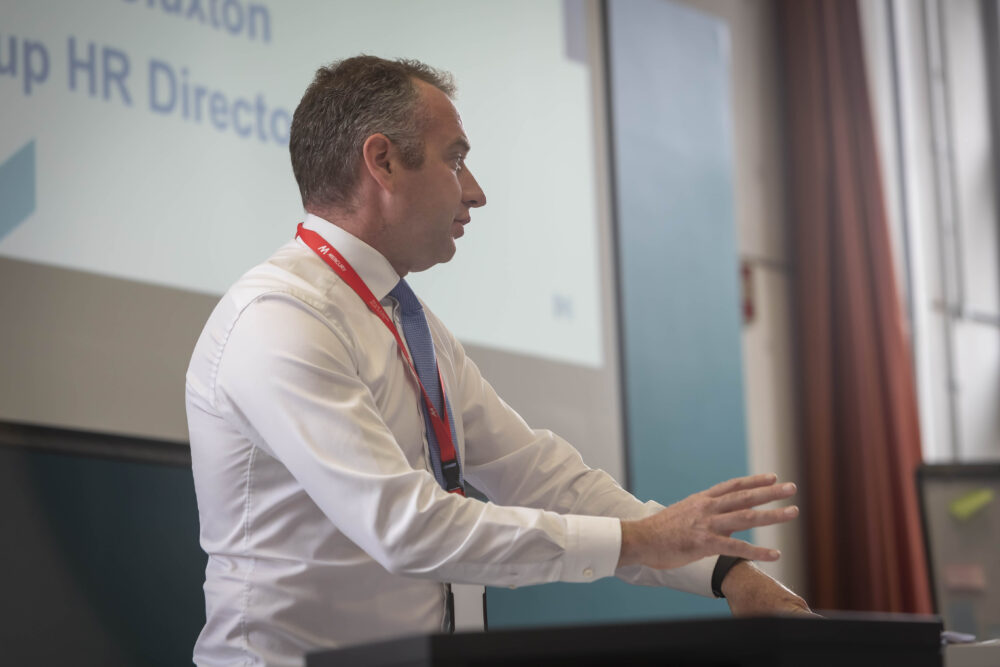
[(701, 524)]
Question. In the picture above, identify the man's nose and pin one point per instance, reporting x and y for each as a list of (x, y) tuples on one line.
[(472, 195)]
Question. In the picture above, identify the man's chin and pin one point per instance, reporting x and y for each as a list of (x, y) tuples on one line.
[(449, 252)]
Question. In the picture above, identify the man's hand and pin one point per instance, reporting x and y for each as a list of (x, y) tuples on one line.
[(701, 524), (751, 592)]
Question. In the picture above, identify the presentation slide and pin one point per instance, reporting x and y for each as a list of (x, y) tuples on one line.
[(147, 140)]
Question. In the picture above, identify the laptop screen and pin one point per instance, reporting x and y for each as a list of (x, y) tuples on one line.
[(960, 506)]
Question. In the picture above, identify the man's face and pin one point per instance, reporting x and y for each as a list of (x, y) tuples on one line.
[(435, 199)]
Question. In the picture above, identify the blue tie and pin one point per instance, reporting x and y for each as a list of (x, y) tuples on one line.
[(418, 339)]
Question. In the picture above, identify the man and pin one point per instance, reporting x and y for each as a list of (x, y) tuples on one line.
[(333, 420)]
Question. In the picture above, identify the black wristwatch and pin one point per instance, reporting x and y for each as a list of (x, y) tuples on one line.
[(722, 568)]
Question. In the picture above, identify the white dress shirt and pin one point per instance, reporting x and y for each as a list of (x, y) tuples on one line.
[(321, 519)]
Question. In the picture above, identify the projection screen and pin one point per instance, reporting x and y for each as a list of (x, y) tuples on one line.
[(144, 167)]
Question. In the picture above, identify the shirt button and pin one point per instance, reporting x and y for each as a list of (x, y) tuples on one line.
[(588, 572)]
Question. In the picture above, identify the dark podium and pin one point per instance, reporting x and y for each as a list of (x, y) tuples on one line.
[(865, 641)]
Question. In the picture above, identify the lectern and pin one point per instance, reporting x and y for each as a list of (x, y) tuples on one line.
[(724, 642)]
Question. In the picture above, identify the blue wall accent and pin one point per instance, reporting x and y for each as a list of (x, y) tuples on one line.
[(677, 257), (677, 249)]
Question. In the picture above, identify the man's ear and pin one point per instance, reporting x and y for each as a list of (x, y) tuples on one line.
[(379, 156)]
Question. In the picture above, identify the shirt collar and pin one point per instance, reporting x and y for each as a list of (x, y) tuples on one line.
[(369, 263)]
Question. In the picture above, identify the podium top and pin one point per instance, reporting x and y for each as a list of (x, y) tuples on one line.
[(865, 641)]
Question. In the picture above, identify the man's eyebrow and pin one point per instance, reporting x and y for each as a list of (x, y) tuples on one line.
[(461, 144)]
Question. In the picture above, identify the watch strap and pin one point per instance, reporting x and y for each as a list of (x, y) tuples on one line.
[(722, 568)]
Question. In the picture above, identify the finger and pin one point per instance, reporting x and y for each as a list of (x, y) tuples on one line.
[(726, 524), (738, 500), (740, 483), (728, 546)]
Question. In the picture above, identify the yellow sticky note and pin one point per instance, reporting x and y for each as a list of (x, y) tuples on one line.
[(964, 507)]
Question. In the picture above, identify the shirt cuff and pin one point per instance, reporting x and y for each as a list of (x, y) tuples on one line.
[(594, 545)]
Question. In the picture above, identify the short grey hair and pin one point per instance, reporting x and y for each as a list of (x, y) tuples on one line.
[(347, 102)]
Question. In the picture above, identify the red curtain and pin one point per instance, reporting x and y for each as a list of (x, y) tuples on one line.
[(858, 415)]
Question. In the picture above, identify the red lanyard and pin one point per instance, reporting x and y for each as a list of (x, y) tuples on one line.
[(439, 422)]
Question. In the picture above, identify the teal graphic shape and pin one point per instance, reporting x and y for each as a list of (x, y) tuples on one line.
[(17, 188)]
